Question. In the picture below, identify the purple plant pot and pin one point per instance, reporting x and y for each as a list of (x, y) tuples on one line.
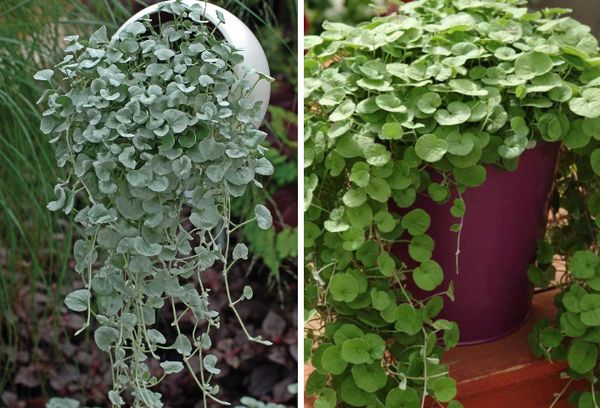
[(505, 218)]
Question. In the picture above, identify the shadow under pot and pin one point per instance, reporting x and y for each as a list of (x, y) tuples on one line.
[(504, 220)]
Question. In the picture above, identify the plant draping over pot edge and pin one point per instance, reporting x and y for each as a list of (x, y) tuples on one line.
[(149, 124), (419, 103)]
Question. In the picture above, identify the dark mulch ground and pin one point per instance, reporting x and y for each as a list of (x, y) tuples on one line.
[(68, 366)]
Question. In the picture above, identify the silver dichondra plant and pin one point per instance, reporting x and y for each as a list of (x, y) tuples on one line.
[(150, 125)]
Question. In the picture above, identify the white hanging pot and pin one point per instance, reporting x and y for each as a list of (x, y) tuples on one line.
[(237, 34)]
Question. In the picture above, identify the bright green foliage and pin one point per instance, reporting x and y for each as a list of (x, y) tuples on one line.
[(576, 336), (147, 125), (421, 104)]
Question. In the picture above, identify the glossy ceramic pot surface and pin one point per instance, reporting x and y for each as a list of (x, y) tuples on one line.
[(505, 218)]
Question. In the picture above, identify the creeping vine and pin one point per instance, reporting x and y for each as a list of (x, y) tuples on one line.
[(156, 130), (422, 102)]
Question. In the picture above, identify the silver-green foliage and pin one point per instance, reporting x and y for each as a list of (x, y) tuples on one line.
[(420, 103), (149, 124), (248, 402)]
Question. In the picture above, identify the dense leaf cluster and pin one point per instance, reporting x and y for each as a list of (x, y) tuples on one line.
[(420, 103), (150, 124)]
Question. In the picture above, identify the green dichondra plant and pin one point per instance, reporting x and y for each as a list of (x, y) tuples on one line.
[(420, 103), (156, 130)]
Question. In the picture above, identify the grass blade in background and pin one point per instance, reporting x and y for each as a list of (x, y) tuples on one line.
[(34, 243)]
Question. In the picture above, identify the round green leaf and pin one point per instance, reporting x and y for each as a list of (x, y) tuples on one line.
[(590, 309), (240, 251), (380, 299), (545, 83), (315, 383), (550, 337), (359, 174), (451, 335), (467, 87), (332, 361), (390, 103), (571, 325), (376, 344), (532, 64), (311, 41), (591, 127), (105, 337), (586, 400), (429, 102), (391, 131), (416, 221), (385, 221), (582, 356), (455, 114), (588, 105), (550, 126), (343, 287), (327, 399), (171, 367), (360, 217), (595, 161), (369, 377), (561, 93), (505, 53), (188, 140), (144, 248), (43, 75), (377, 154), (576, 137), (263, 217), (438, 192), (460, 144), (386, 264), (421, 248), (354, 198), (443, 388), (398, 398), (78, 300), (343, 111), (584, 264), (352, 395), (135, 28), (458, 208), (572, 298), (176, 119), (497, 119), (379, 190), (431, 148), (513, 147), (345, 332), (332, 97), (356, 351), (408, 319), (428, 275), (471, 176)]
